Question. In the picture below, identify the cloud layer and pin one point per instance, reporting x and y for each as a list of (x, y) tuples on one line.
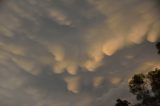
[(75, 50)]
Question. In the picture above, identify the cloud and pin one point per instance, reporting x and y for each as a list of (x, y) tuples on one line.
[(97, 81), (88, 45), (60, 18), (73, 84), (75, 50), (115, 81)]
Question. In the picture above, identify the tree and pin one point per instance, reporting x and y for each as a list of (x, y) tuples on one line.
[(138, 86), (158, 47), (122, 103), (146, 88)]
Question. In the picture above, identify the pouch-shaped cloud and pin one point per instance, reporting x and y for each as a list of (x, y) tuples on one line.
[(59, 17), (123, 23), (73, 84), (72, 37)]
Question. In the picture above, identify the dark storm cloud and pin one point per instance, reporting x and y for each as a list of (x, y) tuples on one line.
[(75, 52)]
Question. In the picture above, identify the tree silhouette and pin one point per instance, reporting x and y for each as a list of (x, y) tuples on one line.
[(138, 86), (158, 47), (122, 103), (146, 88)]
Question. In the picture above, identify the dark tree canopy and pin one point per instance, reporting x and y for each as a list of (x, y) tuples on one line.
[(146, 88), (158, 47), (122, 102)]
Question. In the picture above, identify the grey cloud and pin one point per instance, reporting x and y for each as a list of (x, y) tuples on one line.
[(54, 48)]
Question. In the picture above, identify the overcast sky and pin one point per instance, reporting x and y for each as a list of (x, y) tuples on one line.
[(75, 52)]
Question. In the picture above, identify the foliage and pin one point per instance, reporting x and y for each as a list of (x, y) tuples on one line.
[(146, 88), (158, 47), (122, 102)]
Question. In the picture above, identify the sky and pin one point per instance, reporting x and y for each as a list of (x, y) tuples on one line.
[(75, 52)]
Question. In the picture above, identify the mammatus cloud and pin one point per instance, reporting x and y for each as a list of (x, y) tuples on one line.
[(73, 84), (126, 23), (117, 31), (83, 43)]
